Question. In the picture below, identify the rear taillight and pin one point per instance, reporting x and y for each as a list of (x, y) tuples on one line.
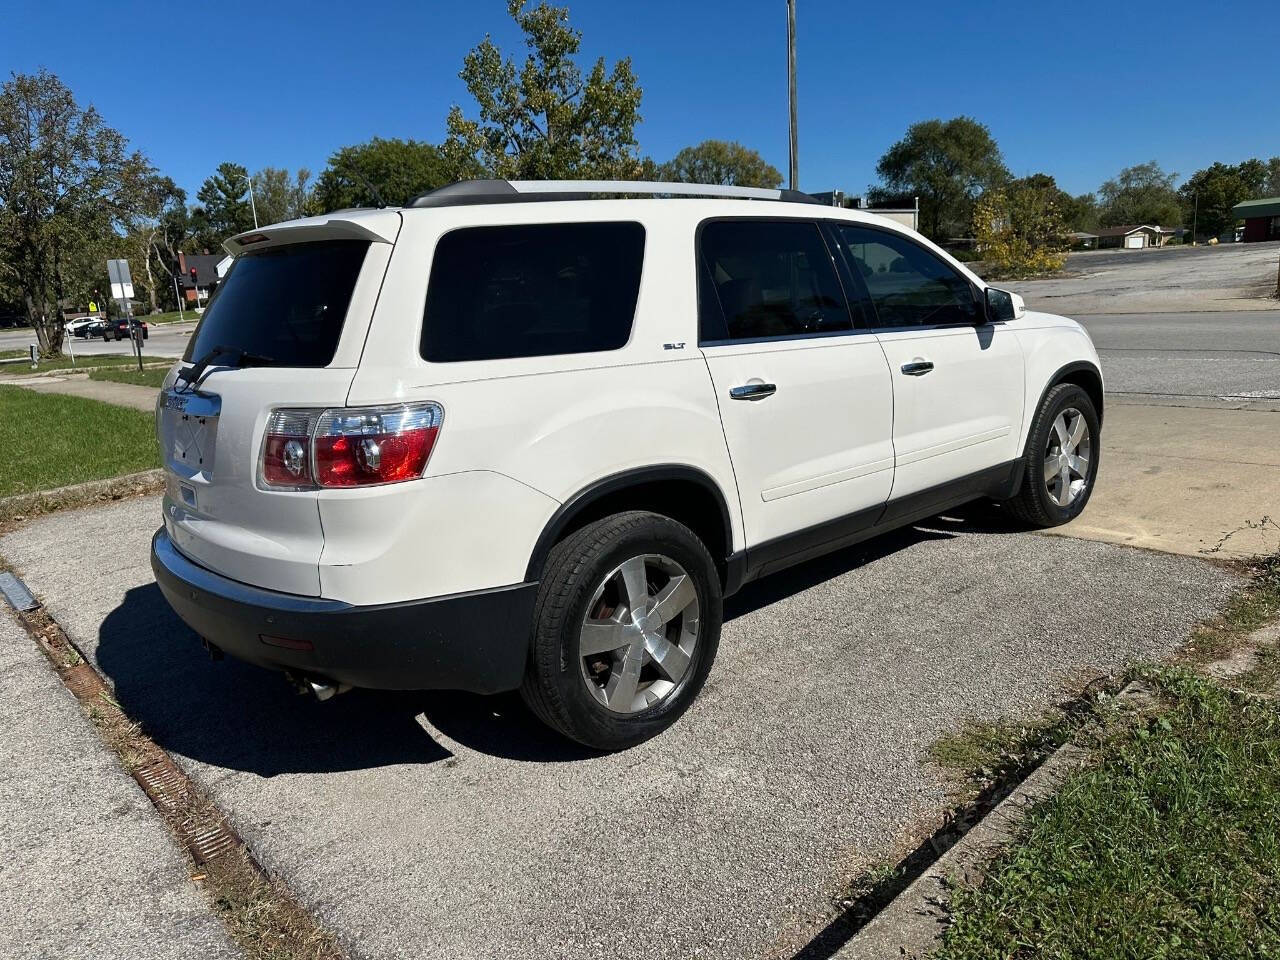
[(348, 446)]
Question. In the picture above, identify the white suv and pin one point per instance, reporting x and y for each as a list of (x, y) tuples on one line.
[(486, 444)]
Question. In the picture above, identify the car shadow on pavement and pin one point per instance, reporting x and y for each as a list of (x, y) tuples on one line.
[(237, 716)]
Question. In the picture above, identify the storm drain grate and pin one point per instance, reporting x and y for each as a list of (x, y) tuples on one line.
[(83, 681), (208, 841), (163, 782)]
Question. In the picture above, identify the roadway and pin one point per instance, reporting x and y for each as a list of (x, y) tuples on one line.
[(165, 340)]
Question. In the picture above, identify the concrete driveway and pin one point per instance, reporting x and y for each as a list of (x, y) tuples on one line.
[(436, 825)]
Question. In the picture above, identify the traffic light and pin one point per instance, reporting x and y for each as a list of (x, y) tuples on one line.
[(193, 276)]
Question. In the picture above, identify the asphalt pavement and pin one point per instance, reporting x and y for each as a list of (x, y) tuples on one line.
[(165, 340), (444, 825), (1223, 360), (87, 868)]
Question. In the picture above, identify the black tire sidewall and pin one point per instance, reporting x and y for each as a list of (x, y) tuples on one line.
[(1061, 398), (582, 716)]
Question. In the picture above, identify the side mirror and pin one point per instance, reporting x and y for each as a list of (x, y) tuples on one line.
[(1003, 306)]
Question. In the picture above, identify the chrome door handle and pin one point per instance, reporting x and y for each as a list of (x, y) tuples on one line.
[(917, 368), (753, 391)]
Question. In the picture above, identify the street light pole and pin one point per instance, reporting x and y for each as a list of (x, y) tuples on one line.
[(1195, 212), (794, 153)]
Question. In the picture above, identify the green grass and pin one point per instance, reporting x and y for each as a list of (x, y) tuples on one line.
[(1167, 846), (49, 440), (173, 316), (143, 378)]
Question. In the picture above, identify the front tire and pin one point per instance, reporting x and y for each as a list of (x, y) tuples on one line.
[(626, 627), (1060, 463)]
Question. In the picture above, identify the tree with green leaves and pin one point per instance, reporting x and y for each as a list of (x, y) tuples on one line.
[(1020, 227), (721, 161), (379, 173), (1141, 194), (69, 188), (1209, 194), (222, 206), (544, 118), (281, 195), (947, 164)]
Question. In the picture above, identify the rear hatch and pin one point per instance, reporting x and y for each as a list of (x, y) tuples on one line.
[(284, 330)]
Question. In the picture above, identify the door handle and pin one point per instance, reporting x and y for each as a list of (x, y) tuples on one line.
[(753, 391), (917, 368)]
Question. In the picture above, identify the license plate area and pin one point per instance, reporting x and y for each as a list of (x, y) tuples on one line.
[(189, 431)]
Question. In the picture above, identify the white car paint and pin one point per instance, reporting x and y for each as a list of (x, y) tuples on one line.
[(845, 431)]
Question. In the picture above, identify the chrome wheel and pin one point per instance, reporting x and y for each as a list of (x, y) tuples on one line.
[(1066, 458), (638, 638)]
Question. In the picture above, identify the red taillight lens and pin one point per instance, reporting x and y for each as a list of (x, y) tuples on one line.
[(350, 446), (286, 450)]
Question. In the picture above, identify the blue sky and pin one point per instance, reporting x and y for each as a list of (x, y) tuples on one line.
[(1077, 90)]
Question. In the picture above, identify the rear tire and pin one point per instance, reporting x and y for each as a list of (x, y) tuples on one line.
[(1060, 463), (625, 629)]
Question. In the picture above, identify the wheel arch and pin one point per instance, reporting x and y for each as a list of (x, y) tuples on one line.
[(683, 493), (1084, 375)]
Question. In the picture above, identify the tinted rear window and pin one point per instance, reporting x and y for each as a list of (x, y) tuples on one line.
[(286, 303), (531, 291)]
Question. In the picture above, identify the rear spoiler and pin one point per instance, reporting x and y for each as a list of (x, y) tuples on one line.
[(376, 226)]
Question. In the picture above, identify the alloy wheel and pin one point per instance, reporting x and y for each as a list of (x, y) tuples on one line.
[(1066, 458), (638, 639)]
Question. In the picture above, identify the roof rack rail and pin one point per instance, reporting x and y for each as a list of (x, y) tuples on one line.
[(467, 192)]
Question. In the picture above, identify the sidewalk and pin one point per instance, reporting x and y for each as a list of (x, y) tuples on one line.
[(87, 868), (79, 385), (1179, 479)]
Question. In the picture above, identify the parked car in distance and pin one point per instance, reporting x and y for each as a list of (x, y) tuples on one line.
[(488, 445), (77, 327), (119, 328), (93, 328)]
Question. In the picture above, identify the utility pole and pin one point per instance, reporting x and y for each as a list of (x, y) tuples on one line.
[(791, 93), (252, 205), (1195, 212)]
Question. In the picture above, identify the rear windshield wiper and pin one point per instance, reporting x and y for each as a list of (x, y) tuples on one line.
[(194, 374)]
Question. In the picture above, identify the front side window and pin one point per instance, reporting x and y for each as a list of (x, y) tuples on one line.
[(532, 290), (767, 278), (909, 286)]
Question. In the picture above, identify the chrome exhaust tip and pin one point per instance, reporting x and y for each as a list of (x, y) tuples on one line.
[(324, 690)]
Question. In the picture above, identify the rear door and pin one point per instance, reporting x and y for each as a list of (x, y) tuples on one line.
[(805, 396), (300, 311), (957, 379)]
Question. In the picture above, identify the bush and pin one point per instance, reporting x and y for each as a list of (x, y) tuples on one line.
[(1020, 231)]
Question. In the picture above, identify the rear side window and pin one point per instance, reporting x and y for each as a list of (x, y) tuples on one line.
[(532, 291), (286, 304), (767, 278)]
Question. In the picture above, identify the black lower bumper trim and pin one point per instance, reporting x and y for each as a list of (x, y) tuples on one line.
[(468, 641)]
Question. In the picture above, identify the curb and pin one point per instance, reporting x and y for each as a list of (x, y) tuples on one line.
[(912, 925), (26, 505)]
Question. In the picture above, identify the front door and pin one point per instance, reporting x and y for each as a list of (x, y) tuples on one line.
[(957, 380), (805, 397)]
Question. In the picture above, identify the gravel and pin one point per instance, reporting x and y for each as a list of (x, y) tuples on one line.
[(445, 825)]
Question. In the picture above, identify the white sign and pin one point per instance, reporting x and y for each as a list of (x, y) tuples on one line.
[(121, 279)]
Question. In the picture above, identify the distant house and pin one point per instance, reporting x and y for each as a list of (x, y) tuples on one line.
[(907, 216), (1135, 236), (1261, 219), (1083, 241), (207, 274)]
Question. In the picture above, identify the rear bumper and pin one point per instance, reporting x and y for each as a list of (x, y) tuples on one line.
[(468, 641)]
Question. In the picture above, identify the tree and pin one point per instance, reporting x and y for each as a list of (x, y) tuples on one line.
[(377, 173), (946, 164), (1081, 212), (544, 119), (222, 206), (69, 186), (1209, 194), (1271, 185), (1020, 227), (721, 161), (281, 196), (1140, 194)]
